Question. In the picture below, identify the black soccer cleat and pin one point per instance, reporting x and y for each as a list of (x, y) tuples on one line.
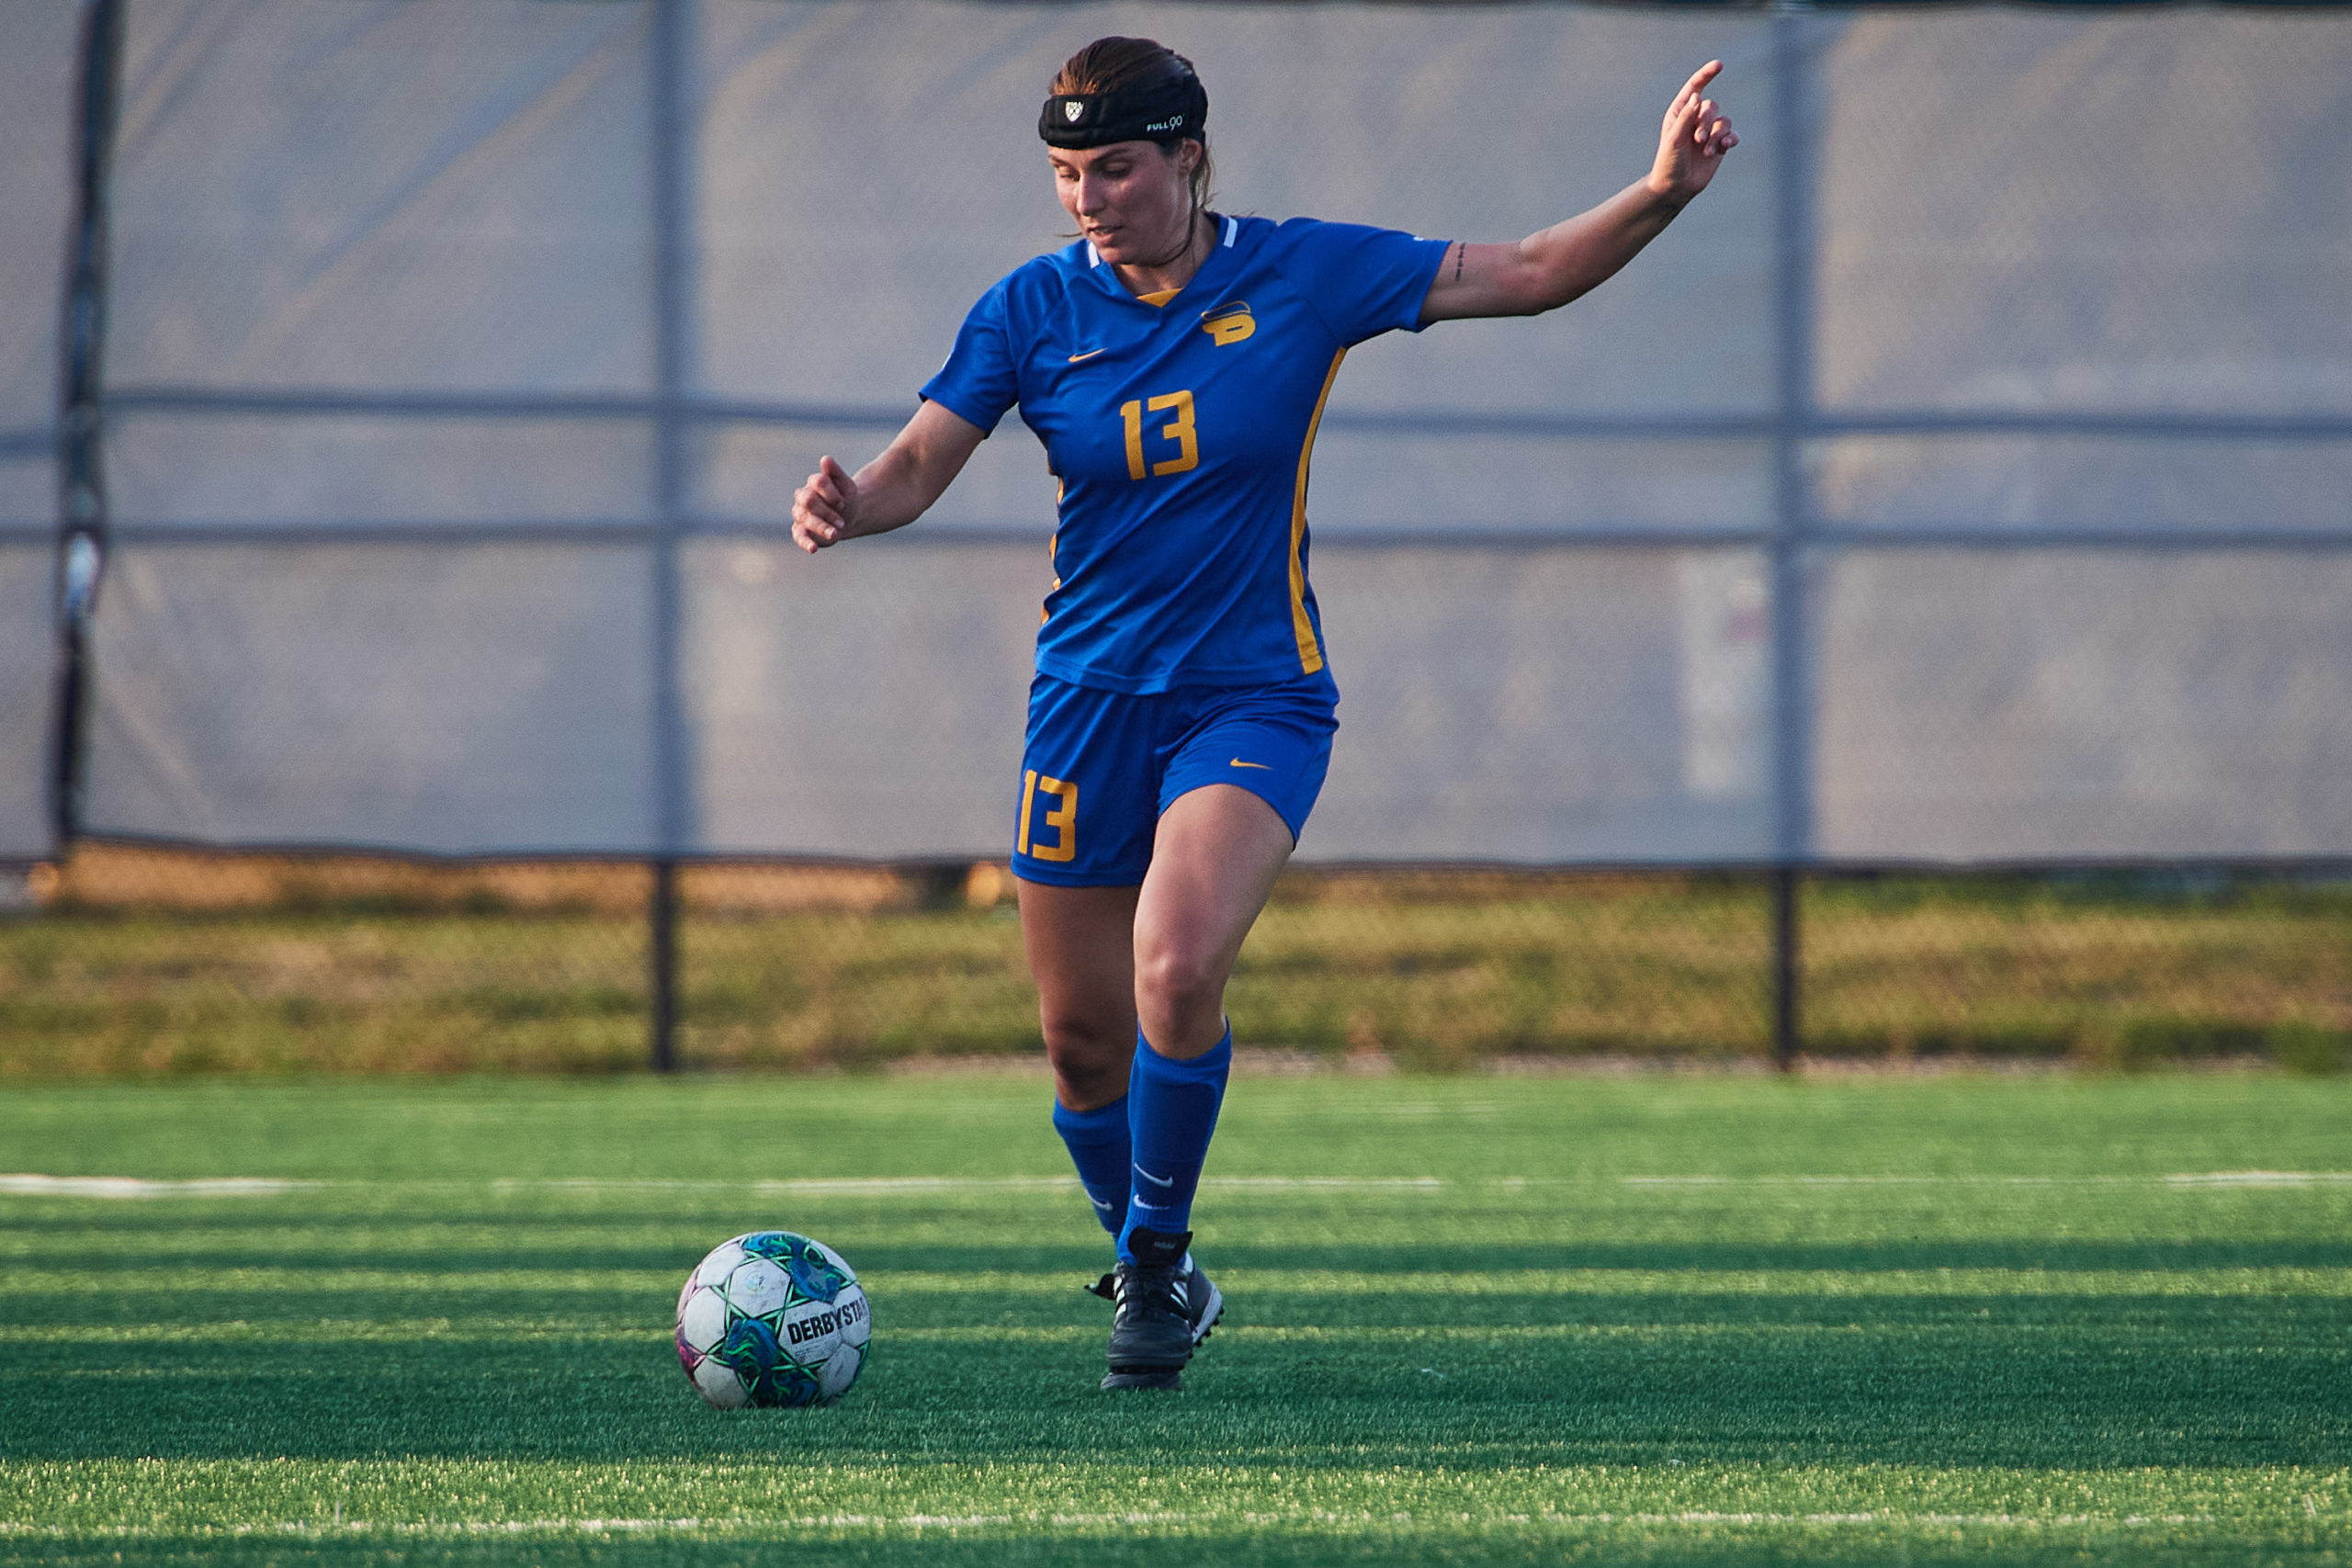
[(1202, 1297), (1165, 1308)]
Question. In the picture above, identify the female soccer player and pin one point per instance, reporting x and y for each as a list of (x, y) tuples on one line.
[(1175, 363)]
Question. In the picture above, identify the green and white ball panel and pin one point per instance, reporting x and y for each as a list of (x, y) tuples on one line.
[(758, 1288), (841, 1369), (722, 1261), (830, 1256), (812, 1331), (702, 1321), (720, 1386)]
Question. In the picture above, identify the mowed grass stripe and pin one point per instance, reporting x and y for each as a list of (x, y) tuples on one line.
[(929, 1187), (1262, 1284), (731, 1131), (1320, 1520), (209, 1496)]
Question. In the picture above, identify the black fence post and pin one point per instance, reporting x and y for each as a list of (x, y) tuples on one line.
[(663, 938), (1787, 1039), (1789, 131), (671, 219), (81, 469)]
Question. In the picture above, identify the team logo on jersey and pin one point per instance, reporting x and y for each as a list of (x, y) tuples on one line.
[(1072, 110), (1228, 323)]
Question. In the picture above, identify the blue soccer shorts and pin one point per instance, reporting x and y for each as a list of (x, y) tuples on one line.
[(1100, 767)]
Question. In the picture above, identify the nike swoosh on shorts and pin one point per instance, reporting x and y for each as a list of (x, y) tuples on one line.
[(1081, 359), (1239, 763)]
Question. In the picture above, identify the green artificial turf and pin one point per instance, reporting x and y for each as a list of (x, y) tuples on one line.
[(1662, 1319)]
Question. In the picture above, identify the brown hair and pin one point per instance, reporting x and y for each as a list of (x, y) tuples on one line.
[(1115, 64)]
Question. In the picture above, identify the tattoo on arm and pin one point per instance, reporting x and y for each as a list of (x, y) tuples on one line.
[(1461, 249)]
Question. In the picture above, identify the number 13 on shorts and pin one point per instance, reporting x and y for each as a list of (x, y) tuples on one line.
[(1062, 819)]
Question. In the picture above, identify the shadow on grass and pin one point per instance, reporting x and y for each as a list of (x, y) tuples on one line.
[(227, 1245), (2125, 1380), (1688, 1548), (523, 1316)]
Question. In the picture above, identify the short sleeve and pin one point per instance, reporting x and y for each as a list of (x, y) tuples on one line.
[(979, 383), (1362, 281)]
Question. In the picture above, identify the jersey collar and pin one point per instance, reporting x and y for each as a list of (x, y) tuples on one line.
[(1229, 231)]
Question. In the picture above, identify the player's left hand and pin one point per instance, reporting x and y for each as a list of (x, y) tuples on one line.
[(1692, 145)]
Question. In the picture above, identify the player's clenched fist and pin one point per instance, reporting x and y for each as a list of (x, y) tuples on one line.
[(825, 510)]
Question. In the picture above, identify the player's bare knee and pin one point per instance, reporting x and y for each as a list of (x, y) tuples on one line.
[(1089, 1056), (1179, 992), (1083, 1082), (1078, 1029)]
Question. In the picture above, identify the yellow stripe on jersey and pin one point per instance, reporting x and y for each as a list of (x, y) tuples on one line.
[(1310, 655), (1052, 548), (1161, 297)]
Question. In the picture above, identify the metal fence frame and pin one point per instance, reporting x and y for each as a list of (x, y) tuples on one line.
[(1792, 542)]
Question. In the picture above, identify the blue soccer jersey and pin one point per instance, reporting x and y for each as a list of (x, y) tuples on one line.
[(1180, 433)]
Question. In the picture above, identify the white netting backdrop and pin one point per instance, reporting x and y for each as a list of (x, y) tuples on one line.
[(439, 481)]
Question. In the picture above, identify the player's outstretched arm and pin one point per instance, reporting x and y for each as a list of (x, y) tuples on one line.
[(1547, 270), (892, 491)]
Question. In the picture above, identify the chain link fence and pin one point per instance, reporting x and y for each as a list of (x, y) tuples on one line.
[(140, 962)]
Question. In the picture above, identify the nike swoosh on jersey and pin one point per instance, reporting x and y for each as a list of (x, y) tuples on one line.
[(1155, 1180), (1239, 763), (1083, 358)]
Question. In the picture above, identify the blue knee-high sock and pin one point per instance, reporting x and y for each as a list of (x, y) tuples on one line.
[(1098, 1146), (1171, 1113)]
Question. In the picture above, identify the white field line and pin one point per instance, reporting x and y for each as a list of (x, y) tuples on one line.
[(815, 1186), (1343, 1183), (28, 1184), (927, 1184), (1315, 1516), (2175, 1179), (136, 1187), (2259, 1179), (31, 1185)]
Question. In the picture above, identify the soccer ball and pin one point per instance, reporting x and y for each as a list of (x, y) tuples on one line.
[(772, 1318)]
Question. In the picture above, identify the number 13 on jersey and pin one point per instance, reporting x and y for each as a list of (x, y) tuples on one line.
[(1178, 430), (1063, 818)]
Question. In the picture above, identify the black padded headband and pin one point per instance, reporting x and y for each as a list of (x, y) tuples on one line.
[(1167, 112)]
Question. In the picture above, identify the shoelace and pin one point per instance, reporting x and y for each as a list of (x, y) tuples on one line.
[(1160, 1291), (1107, 1287)]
